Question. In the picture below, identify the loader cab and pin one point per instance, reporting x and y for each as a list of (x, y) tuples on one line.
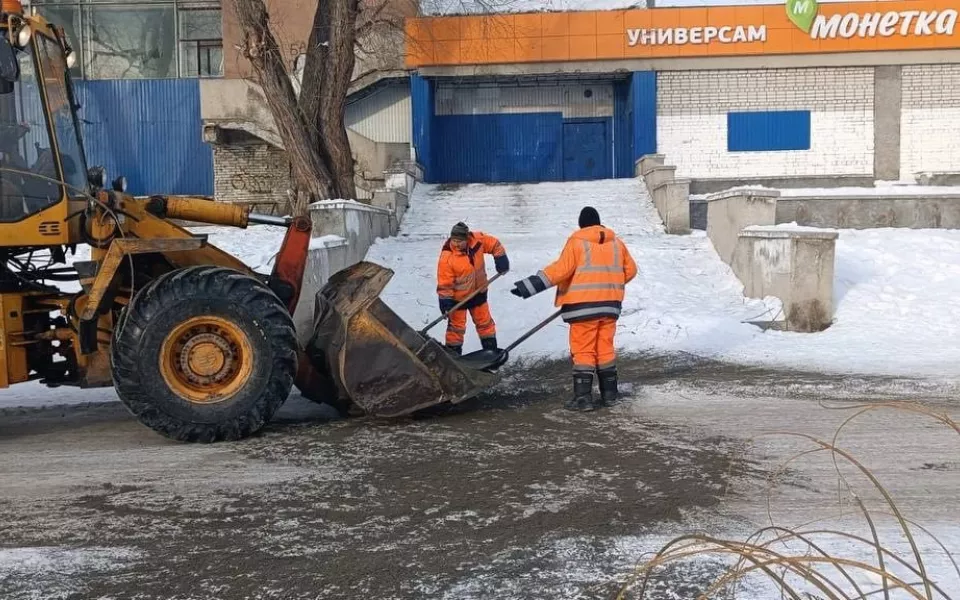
[(43, 172)]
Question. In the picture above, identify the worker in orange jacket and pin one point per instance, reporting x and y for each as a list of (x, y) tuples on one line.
[(460, 271), (590, 277)]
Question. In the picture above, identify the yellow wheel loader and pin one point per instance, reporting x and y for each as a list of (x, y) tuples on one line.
[(197, 345)]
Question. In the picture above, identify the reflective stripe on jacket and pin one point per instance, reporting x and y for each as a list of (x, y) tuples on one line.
[(590, 275), (460, 273)]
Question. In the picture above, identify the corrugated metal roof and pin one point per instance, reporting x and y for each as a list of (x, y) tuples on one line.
[(149, 131)]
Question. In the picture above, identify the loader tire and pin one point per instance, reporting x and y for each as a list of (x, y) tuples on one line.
[(204, 354)]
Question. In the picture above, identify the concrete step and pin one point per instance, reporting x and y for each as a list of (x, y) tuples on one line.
[(549, 209)]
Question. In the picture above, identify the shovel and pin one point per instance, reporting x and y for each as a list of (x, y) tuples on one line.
[(491, 360), (460, 305)]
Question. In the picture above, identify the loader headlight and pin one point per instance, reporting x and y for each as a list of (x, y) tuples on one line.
[(71, 59), (120, 184), (24, 35)]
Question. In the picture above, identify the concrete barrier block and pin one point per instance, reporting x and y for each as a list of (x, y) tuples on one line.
[(796, 266), (643, 165), (411, 182), (657, 175), (729, 212), (672, 199), (915, 211), (395, 201), (359, 224), (415, 169), (326, 256), (395, 179)]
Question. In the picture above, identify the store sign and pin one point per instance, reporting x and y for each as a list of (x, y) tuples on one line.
[(696, 35), (796, 27), (885, 24)]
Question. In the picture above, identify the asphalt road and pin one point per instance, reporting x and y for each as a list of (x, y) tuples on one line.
[(508, 496)]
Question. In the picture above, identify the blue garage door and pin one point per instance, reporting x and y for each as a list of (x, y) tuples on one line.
[(520, 148), (586, 150), (504, 148)]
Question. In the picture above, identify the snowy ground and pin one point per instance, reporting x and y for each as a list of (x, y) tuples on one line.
[(896, 292)]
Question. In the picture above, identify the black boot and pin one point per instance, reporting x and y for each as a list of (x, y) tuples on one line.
[(608, 386), (456, 350), (489, 343), (582, 393)]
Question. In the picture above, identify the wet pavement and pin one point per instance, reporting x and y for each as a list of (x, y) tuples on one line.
[(507, 496)]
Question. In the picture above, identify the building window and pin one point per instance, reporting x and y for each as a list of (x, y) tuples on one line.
[(145, 39), (201, 43), (129, 42)]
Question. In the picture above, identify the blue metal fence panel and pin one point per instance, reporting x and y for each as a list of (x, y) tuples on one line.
[(765, 131), (622, 130), (422, 109), (149, 131), (643, 89), (498, 148)]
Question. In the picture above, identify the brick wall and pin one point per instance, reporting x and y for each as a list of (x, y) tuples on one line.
[(250, 173), (692, 120), (930, 119)]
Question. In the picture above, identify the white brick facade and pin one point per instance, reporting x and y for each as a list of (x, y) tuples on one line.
[(250, 173), (692, 109), (930, 119)]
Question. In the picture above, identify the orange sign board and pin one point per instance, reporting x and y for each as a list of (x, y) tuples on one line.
[(683, 32)]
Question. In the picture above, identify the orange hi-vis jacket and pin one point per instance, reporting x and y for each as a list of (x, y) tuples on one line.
[(590, 275), (460, 273)]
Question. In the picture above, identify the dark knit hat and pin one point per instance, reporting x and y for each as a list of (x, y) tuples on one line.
[(589, 217), (459, 231)]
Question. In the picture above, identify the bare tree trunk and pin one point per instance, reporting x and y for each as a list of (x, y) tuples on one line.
[(317, 56), (333, 95), (260, 47), (326, 81)]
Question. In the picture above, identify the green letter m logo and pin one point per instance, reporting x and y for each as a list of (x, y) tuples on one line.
[(802, 13)]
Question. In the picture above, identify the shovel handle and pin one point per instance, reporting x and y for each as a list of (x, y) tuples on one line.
[(460, 304), (542, 324)]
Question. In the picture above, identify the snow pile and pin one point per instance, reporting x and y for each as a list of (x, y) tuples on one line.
[(256, 246), (895, 289), (896, 309), (326, 241)]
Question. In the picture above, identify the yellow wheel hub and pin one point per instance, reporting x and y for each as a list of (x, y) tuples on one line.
[(206, 359)]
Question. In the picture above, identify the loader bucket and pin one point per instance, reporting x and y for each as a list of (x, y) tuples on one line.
[(376, 360)]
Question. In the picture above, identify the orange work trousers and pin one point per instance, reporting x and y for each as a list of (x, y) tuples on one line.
[(591, 344), (482, 320)]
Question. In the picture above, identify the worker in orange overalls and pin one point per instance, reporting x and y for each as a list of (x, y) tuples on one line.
[(460, 271), (590, 276)]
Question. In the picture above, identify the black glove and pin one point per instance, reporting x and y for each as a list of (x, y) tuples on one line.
[(502, 263), (520, 290), (446, 304)]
